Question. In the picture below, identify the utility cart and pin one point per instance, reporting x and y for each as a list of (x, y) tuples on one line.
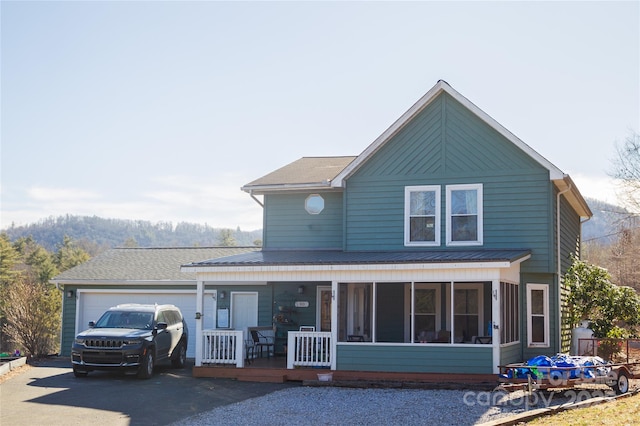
[(520, 376)]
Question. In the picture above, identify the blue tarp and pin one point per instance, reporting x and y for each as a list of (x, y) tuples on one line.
[(566, 367)]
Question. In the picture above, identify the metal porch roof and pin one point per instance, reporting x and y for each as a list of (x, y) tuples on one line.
[(331, 257)]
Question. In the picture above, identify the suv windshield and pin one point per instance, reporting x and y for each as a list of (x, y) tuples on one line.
[(124, 319)]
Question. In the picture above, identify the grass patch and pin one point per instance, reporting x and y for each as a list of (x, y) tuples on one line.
[(622, 411)]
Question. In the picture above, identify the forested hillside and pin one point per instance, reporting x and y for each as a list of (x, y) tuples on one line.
[(97, 234), (607, 221)]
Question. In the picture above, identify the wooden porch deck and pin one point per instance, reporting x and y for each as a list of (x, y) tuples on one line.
[(273, 370)]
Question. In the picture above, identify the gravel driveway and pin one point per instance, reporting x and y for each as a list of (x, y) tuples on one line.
[(345, 406)]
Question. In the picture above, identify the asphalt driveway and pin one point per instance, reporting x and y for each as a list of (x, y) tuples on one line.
[(47, 393)]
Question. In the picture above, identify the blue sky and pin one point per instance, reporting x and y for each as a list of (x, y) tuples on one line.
[(161, 111)]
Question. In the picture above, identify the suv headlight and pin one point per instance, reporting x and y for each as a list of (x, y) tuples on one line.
[(132, 341), (79, 341)]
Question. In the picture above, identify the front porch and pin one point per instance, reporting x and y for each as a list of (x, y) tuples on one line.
[(229, 354), (447, 321), (273, 370)]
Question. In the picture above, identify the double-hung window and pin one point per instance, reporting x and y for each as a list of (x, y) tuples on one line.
[(422, 216), (538, 314), (464, 214)]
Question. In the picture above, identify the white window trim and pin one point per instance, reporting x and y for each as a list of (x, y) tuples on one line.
[(478, 188), (545, 290), (407, 215)]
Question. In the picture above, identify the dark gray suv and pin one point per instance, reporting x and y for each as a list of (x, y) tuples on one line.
[(133, 338)]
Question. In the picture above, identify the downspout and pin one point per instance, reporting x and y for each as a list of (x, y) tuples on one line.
[(559, 264)]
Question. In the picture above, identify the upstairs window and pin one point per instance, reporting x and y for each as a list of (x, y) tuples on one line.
[(464, 214), (422, 216)]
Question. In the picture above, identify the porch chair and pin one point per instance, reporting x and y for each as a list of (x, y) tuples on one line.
[(249, 350), (260, 341)]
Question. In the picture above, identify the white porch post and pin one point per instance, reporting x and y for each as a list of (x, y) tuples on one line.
[(199, 318), (334, 323), (496, 326)]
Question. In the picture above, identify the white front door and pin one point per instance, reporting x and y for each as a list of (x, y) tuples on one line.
[(244, 310)]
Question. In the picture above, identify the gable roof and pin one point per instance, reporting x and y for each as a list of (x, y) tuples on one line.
[(143, 264), (443, 87), (332, 172), (305, 173)]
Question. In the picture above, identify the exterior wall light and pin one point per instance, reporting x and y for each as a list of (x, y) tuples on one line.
[(69, 294), (301, 289), (223, 294)]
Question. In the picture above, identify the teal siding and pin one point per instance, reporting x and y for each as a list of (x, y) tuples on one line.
[(68, 331), (288, 225), (415, 358), (445, 144), (570, 234), (285, 315), (510, 354), (265, 298), (553, 317), (570, 239)]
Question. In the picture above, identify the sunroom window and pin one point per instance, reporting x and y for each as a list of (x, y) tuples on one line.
[(355, 307), (422, 216), (468, 321), (427, 307), (509, 313), (464, 214)]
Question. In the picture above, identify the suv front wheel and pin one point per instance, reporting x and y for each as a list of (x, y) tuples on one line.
[(145, 370)]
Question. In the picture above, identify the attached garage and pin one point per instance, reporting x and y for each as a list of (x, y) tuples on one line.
[(92, 303), (135, 275)]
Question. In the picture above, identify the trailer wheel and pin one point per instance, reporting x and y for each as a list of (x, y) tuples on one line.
[(622, 383)]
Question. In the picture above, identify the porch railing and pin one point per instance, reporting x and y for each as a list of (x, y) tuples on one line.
[(223, 347), (309, 349)]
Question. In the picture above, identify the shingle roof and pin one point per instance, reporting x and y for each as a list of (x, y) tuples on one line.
[(305, 171), (327, 257), (145, 264)]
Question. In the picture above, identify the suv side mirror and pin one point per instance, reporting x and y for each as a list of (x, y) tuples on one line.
[(92, 324), (161, 326)]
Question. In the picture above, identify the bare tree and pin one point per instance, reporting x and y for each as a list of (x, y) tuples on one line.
[(626, 168), (32, 312)]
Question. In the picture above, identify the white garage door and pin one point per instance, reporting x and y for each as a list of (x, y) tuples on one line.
[(92, 304)]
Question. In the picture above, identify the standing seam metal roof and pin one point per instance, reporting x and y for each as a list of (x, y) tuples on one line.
[(328, 257)]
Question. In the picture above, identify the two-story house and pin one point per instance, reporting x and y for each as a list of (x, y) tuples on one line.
[(439, 249)]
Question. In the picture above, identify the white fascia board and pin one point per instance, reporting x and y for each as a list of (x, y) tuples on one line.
[(261, 189), (442, 86)]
